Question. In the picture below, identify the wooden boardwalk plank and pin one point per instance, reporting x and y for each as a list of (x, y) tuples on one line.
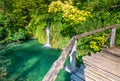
[(102, 66), (76, 78), (93, 76), (106, 64), (102, 72), (82, 76), (109, 56), (111, 62), (88, 72), (115, 51)]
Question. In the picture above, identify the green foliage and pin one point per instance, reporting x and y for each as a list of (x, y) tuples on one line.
[(117, 42), (24, 9), (97, 42), (18, 36), (40, 33), (36, 27), (56, 38), (101, 11), (69, 12), (3, 26), (27, 15), (79, 55)]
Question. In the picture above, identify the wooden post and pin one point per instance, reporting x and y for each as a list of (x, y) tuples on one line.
[(67, 69), (112, 40), (73, 58)]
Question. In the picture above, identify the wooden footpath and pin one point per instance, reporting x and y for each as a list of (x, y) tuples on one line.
[(102, 66), (90, 62)]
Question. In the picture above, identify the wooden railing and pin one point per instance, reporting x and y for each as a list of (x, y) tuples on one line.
[(59, 63)]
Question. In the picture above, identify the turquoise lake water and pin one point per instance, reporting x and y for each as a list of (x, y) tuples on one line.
[(29, 61)]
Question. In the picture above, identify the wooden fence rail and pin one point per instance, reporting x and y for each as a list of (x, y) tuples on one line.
[(59, 63)]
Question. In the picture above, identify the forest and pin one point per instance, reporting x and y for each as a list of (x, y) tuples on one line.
[(23, 20)]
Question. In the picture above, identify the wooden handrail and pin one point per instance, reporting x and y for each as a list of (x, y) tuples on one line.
[(95, 31), (59, 63)]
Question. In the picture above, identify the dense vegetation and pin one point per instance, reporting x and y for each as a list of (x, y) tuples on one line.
[(21, 20)]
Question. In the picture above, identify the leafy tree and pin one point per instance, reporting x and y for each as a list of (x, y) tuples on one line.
[(69, 12), (3, 26), (21, 13)]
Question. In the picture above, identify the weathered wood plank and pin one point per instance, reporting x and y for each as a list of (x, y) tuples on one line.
[(101, 71), (113, 34), (95, 31), (105, 64), (100, 67), (117, 49), (113, 51), (84, 76), (66, 68), (73, 58), (93, 75), (109, 56), (80, 74), (76, 78)]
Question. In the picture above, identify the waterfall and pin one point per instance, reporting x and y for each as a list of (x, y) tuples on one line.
[(47, 45)]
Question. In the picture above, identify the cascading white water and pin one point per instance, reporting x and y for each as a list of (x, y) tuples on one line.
[(47, 45)]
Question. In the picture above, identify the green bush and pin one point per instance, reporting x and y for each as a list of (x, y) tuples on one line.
[(21, 35), (3, 24), (97, 42), (36, 27), (118, 37)]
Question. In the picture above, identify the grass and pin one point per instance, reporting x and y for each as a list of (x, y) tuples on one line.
[(29, 61)]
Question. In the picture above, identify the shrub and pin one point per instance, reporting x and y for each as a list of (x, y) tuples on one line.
[(18, 36), (69, 12), (3, 24), (97, 42), (117, 41)]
